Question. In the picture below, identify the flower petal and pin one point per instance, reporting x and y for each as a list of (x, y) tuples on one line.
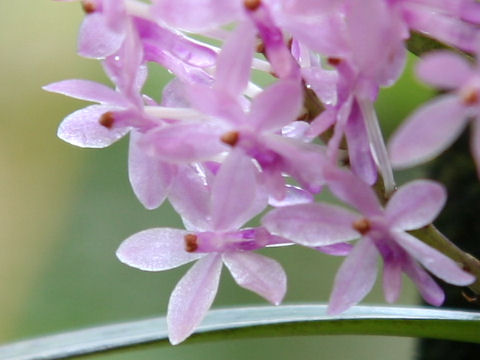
[(215, 103), (150, 178), (277, 106), (360, 155), (190, 197), (392, 280), (429, 289), (355, 278), (234, 61), (82, 128), (351, 189), (339, 249), (96, 39), (433, 260), (297, 159), (416, 204), (87, 90), (258, 273), (186, 142), (293, 196), (156, 250), (196, 15), (192, 297), (444, 69), (234, 192), (428, 132), (312, 224)]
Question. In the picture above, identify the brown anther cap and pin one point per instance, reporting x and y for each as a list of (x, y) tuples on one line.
[(252, 5), (107, 120), (362, 226), (261, 47), (88, 6), (191, 244), (471, 97), (333, 61), (230, 138)]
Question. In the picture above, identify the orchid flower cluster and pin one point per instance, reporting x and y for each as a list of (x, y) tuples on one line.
[(224, 150)]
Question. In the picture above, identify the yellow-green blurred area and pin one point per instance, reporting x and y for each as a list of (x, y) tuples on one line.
[(65, 210)]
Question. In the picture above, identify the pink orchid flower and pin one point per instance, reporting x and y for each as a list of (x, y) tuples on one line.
[(383, 231), (213, 208)]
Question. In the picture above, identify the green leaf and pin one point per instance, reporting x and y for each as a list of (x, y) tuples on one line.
[(249, 322)]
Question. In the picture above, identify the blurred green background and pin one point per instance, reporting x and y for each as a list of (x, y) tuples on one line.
[(65, 210)]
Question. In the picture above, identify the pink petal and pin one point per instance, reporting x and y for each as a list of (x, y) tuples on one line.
[(312, 224), (258, 273), (326, 34), (322, 122), (186, 142), (416, 204), (219, 104), (160, 39), (277, 52), (150, 177), (392, 280), (234, 192), (444, 69), (360, 155), (190, 197), (296, 130), (82, 128), (293, 196), (195, 15), (433, 260), (297, 159), (277, 106), (308, 7), (234, 61), (192, 297), (443, 27), (87, 90), (355, 278), (115, 14), (429, 289), (375, 40), (428, 132), (323, 82), (351, 189), (339, 249), (96, 39), (156, 250)]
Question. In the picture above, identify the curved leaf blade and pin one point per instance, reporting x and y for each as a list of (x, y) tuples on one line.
[(248, 322)]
